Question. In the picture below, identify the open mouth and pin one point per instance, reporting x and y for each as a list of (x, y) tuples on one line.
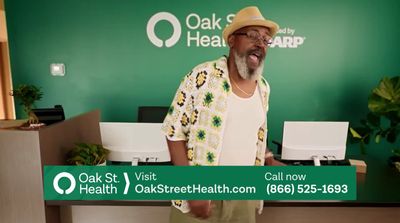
[(256, 56)]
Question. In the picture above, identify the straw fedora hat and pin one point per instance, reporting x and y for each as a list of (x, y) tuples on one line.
[(249, 16)]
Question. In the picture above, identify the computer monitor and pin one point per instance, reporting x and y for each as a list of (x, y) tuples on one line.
[(314, 141), (134, 142), (152, 114), (50, 116)]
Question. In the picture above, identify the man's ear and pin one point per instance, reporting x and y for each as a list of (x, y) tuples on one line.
[(231, 41)]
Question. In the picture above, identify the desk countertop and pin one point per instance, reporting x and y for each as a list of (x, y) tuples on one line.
[(379, 187)]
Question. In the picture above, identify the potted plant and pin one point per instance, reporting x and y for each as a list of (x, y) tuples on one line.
[(87, 154), (383, 119), (27, 95)]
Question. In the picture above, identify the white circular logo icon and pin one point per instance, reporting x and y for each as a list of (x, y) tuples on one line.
[(70, 178), (171, 19)]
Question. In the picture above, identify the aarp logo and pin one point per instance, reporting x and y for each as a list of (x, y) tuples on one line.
[(56, 184), (176, 25)]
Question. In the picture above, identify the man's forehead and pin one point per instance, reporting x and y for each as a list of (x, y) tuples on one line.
[(260, 29)]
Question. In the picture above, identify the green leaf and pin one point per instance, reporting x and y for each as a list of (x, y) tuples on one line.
[(355, 134), (385, 89), (27, 94), (386, 97), (87, 154), (377, 138)]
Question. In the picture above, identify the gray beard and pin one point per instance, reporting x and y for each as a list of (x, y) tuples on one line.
[(244, 70)]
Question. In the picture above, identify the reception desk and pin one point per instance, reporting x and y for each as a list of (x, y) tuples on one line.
[(24, 153), (378, 200), (379, 187)]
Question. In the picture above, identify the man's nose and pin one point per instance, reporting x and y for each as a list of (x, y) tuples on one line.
[(261, 44)]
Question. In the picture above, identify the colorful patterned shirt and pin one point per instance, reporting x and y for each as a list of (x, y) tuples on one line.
[(198, 112)]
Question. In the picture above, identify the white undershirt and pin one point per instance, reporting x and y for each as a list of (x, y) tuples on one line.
[(245, 116)]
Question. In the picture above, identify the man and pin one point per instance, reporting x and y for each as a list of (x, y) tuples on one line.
[(218, 116)]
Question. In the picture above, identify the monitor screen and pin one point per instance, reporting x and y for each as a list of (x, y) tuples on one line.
[(49, 116), (310, 140), (128, 141)]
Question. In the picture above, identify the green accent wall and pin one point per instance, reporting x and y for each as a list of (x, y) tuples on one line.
[(110, 63)]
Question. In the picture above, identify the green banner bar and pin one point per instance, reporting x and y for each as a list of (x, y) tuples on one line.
[(199, 182)]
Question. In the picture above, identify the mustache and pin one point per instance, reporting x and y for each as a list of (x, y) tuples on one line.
[(243, 69), (257, 51)]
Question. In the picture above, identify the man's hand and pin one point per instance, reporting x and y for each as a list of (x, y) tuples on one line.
[(177, 151), (273, 162), (200, 209)]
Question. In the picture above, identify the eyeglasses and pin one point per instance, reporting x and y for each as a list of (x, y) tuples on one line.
[(256, 36)]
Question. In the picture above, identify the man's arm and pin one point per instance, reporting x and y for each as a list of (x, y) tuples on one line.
[(178, 153), (271, 161)]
